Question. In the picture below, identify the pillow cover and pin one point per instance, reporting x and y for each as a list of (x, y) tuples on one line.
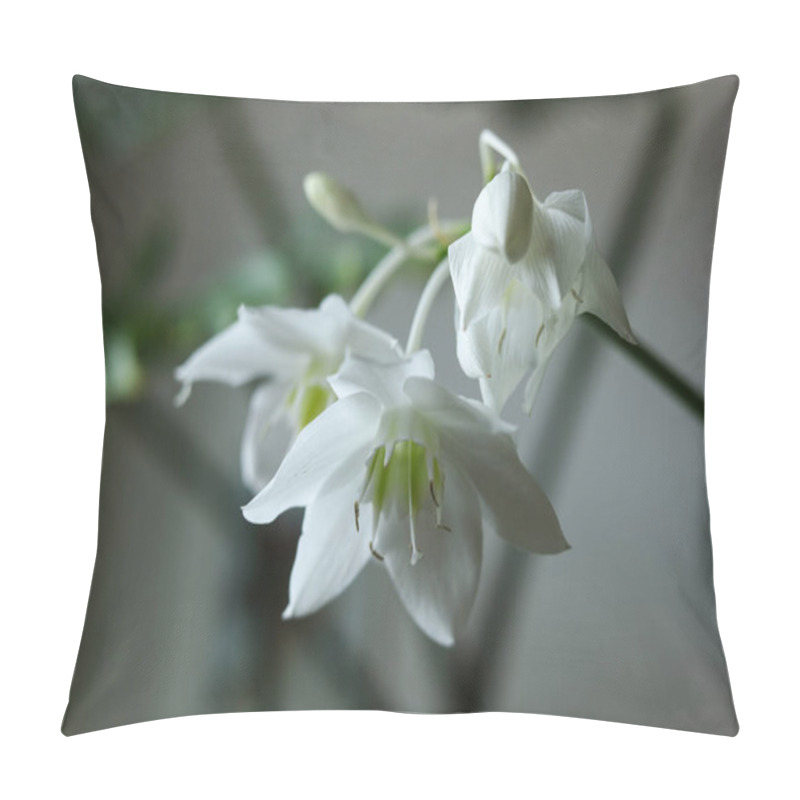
[(465, 343)]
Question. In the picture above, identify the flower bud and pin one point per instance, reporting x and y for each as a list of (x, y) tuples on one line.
[(335, 203), (502, 219)]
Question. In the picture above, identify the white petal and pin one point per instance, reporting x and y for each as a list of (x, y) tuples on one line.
[(382, 381), (513, 502), (439, 589), (367, 341), (600, 295), (331, 551), (477, 345), (303, 330), (502, 217), (533, 385), (450, 412), (518, 347), (266, 434), (336, 306), (562, 232), (479, 276), (359, 337), (237, 355), (501, 346), (336, 441), (479, 350)]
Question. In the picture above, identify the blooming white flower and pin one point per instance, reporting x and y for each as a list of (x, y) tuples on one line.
[(521, 276), (292, 352), (402, 470)]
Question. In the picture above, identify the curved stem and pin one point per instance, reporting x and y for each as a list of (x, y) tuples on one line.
[(437, 279), (487, 142), (376, 232), (414, 245)]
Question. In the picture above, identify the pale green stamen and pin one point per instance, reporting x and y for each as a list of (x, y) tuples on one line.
[(400, 484)]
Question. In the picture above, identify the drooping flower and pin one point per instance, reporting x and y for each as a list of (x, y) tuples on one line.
[(402, 471), (291, 352), (521, 276)]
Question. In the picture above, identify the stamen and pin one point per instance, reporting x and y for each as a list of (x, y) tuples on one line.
[(433, 494), (576, 295), (433, 221), (539, 335), (439, 475), (375, 552), (416, 555)]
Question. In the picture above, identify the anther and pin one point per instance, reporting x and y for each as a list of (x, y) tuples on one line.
[(375, 552), (355, 510), (576, 295), (539, 335), (433, 494), (502, 339), (443, 527)]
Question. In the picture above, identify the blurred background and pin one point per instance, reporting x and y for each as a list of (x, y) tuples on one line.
[(197, 206)]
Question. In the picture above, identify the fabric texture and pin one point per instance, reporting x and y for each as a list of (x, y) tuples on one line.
[(200, 216)]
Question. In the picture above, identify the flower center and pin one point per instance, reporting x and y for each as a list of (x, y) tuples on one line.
[(400, 484)]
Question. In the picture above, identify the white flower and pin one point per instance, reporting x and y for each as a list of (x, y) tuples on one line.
[(402, 470), (521, 276), (292, 352)]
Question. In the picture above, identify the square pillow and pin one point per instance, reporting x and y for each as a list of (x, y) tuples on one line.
[(551, 258)]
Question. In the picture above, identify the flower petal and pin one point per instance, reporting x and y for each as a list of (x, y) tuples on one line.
[(506, 342), (439, 589), (478, 443), (336, 441), (266, 434), (562, 232), (360, 337), (502, 217), (600, 295), (449, 411), (533, 384), (477, 345), (237, 355), (331, 551), (479, 276), (303, 330), (383, 381)]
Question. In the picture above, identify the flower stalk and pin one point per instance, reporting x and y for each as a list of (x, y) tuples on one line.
[(427, 236), (437, 280)]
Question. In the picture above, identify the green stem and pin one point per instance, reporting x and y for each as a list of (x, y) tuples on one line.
[(413, 246), (437, 279), (653, 364)]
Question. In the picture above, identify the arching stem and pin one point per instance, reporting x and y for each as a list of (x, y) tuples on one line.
[(420, 243), (438, 278)]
